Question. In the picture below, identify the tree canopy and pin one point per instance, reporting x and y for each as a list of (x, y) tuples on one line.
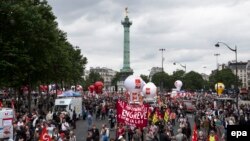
[(225, 76), (33, 49)]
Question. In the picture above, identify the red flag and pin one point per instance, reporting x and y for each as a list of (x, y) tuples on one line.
[(44, 135), (195, 134)]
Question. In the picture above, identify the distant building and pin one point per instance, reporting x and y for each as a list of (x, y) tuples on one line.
[(107, 75), (243, 69), (248, 74), (153, 71), (205, 76)]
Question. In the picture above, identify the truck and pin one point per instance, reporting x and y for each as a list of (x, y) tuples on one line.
[(68, 105), (6, 126)]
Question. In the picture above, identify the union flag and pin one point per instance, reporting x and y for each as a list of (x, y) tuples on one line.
[(44, 135), (195, 134)]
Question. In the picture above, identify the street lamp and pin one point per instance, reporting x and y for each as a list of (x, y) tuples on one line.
[(162, 58), (162, 69), (217, 70), (184, 66), (236, 68)]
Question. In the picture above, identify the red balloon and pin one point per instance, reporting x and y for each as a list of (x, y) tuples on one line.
[(98, 87), (91, 88), (45, 87)]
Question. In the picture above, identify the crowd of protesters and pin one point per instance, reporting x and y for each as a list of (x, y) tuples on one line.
[(211, 121), (28, 126)]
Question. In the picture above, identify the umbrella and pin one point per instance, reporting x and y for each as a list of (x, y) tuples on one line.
[(70, 93)]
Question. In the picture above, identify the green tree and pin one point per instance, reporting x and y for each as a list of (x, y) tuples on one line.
[(116, 78), (34, 49), (193, 81), (144, 78), (92, 78), (225, 76), (177, 75), (162, 79)]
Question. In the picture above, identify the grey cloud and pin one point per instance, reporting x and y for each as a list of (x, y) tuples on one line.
[(187, 30)]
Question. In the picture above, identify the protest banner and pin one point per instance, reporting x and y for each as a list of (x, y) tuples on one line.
[(133, 115)]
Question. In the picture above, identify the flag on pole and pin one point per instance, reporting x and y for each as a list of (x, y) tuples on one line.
[(155, 117), (195, 134), (166, 115), (44, 135)]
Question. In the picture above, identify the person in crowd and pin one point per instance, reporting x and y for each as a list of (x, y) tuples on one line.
[(49, 116), (74, 119), (120, 131), (149, 135), (65, 126), (104, 133), (56, 134), (95, 133), (164, 136), (201, 136), (173, 117), (72, 136), (90, 120), (180, 136), (137, 135), (20, 123), (212, 136)]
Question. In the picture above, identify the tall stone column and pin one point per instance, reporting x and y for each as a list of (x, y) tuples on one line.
[(126, 48)]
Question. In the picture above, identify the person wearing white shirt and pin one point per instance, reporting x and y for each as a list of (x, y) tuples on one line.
[(65, 125), (20, 122)]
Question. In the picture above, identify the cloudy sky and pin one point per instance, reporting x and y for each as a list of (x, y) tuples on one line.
[(186, 29)]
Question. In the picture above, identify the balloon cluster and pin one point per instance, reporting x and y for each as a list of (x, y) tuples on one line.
[(96, 87), (138, 89)]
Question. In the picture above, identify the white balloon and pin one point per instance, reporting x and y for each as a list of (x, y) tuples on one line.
[(178, 84), (134, 83), (149, 90)]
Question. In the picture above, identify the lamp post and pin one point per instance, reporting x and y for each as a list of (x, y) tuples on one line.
[(162, 59), (217, 69), (184, 66), (236, 68)]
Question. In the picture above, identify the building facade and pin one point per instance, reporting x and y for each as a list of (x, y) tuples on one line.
[(107, 75), (243, 72), (153, 71), (248, 74)]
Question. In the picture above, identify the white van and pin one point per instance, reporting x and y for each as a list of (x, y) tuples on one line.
[(68, 105)]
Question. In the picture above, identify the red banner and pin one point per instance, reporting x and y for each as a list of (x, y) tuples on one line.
[(134, 115)]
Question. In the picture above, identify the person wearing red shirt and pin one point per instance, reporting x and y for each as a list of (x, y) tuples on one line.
[(120, 131)]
